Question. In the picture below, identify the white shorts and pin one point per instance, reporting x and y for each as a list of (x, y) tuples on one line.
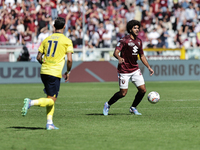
[(136, 77)]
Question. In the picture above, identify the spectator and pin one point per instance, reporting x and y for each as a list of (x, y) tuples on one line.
[(39, 15), (32, 28), (191, 15), (54, 12), (91, 27), (192, 38), (121, 32), (73, 8), (184, 27), (107, 36), (111, 9), (62, 13), (165, 16), (117, 18), (95, 39), (151, 45), (20, 26), (153, 35), (118, 6), (12, 37), (181, 39), (155, 6), (27, 36), (100, 31), (164, 37), (47, 8), (32, 11), (164, 5), (79, 38), (43, 34), (160, 44), (130, 15), (24, 54), (9, 2), (3, 37), (2, 4), (123, 11), (185, 4), (146, 18), (73, 19), (73, 37), (109, 26), (143, 36)]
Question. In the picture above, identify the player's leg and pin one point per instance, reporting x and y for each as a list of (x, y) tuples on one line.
[(123, 84), (42, 102), (138, 80), (50, 113), (52, 85), (114, 99), (51, 89)]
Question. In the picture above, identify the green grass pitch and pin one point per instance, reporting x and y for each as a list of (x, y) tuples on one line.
[(171, 124)]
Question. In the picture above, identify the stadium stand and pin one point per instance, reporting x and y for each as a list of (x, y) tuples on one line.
[(176, 23)]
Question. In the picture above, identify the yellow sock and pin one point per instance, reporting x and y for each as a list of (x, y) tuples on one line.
[(42, 102), (50, 112)]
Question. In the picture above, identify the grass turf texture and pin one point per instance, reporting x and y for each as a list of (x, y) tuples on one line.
[(173, 123)]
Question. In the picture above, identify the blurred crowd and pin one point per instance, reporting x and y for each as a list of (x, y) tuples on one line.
[(164, 23)]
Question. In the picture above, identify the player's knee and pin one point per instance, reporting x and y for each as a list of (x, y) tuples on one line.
[(123, 93)]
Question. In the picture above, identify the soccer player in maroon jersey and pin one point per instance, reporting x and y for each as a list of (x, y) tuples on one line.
[(126, 52)]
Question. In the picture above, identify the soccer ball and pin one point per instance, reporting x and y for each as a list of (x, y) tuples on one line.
[(153, 97)]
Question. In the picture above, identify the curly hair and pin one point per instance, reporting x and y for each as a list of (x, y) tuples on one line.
[(130, 25)]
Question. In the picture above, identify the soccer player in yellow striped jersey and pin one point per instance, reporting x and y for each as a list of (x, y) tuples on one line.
[(51, 55)]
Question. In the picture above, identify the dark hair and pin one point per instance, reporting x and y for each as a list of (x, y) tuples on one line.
[(130, 25), (59, 23)]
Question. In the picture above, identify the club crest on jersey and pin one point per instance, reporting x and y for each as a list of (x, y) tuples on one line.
[(138, 43), (131, 44), (118, 44), (123, 81)]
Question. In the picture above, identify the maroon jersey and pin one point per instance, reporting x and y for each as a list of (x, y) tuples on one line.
[(129, 49)]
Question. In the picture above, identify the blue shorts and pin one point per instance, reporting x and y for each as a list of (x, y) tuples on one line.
[(51, 85)]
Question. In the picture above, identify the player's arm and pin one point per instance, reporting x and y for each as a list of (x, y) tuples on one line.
[(39, 57), (145, 62), (116, 55), (69, 66)]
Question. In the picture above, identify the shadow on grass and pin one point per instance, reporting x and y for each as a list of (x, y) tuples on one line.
[(28, 128), (110, 114)]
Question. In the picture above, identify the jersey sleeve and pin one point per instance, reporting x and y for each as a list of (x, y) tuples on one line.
[(41, 48), (69, 47), (120, 45)]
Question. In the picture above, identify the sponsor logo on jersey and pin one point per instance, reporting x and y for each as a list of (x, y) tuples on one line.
[(131, 44), (135, 50)]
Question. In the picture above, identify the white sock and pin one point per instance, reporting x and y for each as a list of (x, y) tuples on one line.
[(49, 121), (34, 102)]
